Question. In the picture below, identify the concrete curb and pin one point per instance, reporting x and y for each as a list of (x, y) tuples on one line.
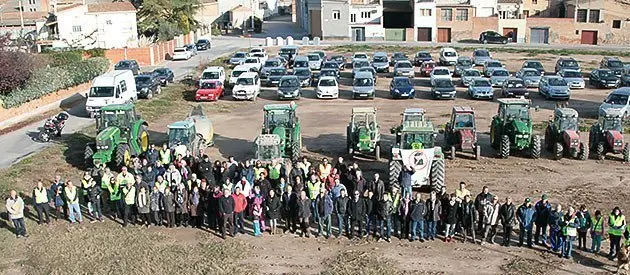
[(67, 102)]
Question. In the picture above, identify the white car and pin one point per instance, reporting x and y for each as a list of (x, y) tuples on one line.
[(257, 50), (181, 54), (360, 56), (262, 56), (327, 87), (441, 72), (214, 73), (448, 57), (253, 62), (247, 87), (236, 72)]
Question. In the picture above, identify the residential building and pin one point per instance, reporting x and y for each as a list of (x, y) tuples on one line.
[(600, 21), (454, 20), (335, 19), (484, 8), (366, 20), (425, 19), (207, 14)]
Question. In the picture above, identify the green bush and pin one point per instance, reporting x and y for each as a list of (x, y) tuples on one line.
[(97, 52), (52, 79), (65, 57)]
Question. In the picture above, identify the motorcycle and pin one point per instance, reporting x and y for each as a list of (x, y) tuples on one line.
[(53, 126)]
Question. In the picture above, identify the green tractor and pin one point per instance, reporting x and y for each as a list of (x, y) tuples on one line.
[(122, 134), (281, 134), (193, 134), (362, 133), (511, 129), (562, 136), (415, 150)]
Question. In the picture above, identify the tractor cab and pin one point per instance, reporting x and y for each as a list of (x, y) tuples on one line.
[(460, 132), (281, 133), (413, 114), (363, 132), (514, 109), (122, 116), (463, 118), (565, 119), (364, 118), (610, 120), (417, 140), (606, 136), (181, 132), (282, 115)]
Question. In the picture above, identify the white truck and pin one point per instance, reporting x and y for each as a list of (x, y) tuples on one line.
[(115, 87)]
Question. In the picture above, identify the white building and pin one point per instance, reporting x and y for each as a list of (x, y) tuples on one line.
[(366, 20), (102, 25), (484, 8), (425, 21)]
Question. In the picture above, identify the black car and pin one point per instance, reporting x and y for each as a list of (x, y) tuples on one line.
[(422, 57), (203, 44), (331, 65), (340, 59), (442, 88), (514, 87), (165, 75), (397, 56), (492, 37), (603, 78), (148, 85), (305, 76), (567, 64), (329, 72), (272, 77), (613, 64), (131, 65)]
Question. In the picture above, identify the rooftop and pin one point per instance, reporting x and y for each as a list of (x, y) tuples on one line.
[(513, 101), (567, 111), (270, 107), (111, 7)]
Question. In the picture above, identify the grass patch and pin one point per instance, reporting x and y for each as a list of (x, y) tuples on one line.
[(354, 262), (520, 265)]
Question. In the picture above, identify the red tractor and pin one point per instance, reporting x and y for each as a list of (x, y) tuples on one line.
[(460, 133), (606, 136), (562, 136)]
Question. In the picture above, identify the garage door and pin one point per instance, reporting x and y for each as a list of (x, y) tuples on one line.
[(444, 34), (424, 34), (539, 36), (589, 37), (510, 33), (395, 34)]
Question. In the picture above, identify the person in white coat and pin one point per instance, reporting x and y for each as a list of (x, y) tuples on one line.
[(491, 220), (15, 207)]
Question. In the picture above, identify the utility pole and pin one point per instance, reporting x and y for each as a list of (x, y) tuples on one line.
[(21, 17), (253, 13)]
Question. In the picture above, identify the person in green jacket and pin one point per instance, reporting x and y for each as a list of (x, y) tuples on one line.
[(113, 191)]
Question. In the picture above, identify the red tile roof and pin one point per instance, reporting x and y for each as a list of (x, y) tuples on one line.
[(111, 7)]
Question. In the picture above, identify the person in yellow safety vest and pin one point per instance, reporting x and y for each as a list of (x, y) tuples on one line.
[(105, 177), (305, 166), (323, 170), (87, 183), (129, 198), (597, 231), (125, 177), (259, 169), (161, 184), (275, 168), (71, 193), (165, 155), (569, 232), (313, 185), (41, 198), (462, 192), (616, 227)]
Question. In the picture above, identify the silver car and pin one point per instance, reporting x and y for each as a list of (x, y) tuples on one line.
[(380, 62), (404, 68), (573, 77), (356, 65), (314, 61), (480, 56), (238, 58), (530, 76), (491, 65), (498, 77), (469, 75)]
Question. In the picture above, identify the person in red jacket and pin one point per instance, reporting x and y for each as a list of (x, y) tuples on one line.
[(240, 204)]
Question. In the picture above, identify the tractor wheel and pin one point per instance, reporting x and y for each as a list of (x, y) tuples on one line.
[(437, 175), (394, 171), (558, 151), (143, 139), (548, 141), (377, 152), (583, 153), (536, 147), (477, 152), (626, 152), (600, 151), (295, 151), (453, 152), (123, 156), (504, 147), (87, 156)]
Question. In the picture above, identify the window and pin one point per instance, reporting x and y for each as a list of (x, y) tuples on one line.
[(616, 24), (593, 16), (123, 86), (108, 22), (462, 15), (353, 18), (534, 2), (581, 16), (526, 13), (336, 14), (76, 28), (425, 12), (447, 15), (32, 9), (366, 14)]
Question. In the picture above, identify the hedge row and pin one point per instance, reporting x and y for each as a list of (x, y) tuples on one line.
[(53, 79)]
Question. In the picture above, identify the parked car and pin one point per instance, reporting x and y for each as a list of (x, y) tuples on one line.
[(613, 64), (214, 73), (442, 88), (534, 64), (289, 53), (131, 65), (603, 78), (238, 58), (469, 75), (329, 72), (624, 80), (370, 70), (270, 64), (254, 63), (380, 62), (203, 44), (427, 67), (340, 59), (618, 99), (398, 56), (421, 57), (481, 88), (327, 87), (191, 48), (499, 76), (463, 63), (554, 87), (181, 53), (209, 91), (363, 86), (263, 57), (331, 65), (492, 37), (165, 75), (567, 63), (247, 87), (147, 85), (358, 64), (401, 87), (289, 87), (305, 76), (530, 76), (314, 61), (321, 54), (480, 56), (300, 62), (404, 68), (448, 57), (272, 77), (490, 66), (360, 56), (257, 50), (237, 71), (514, 87), (573, 77), (440, 72)]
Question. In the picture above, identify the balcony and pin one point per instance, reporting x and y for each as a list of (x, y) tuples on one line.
[(365, 2)]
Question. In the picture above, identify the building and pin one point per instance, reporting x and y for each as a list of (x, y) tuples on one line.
[(600, 21), (207, 14), (425, 20), (366, 20), (454, 20), (335, 19)]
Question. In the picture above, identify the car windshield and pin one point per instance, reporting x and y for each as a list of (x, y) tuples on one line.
[(464, 120), (277, 72), (363, 82), (440, 72), (402, 82), (569, 63), (557, 82), (245, 81), (482, 83), (533, 64), (604, 74), (179, 50), (531, 73), (464, 62), (313, 57), (190, 47), (360, 55), (494, 65), (443, 83), (300, 64), (404, 65), (450, 54), (515, 84), (617, 99), (360, 64), (252, 60), (328, 73), (337, 58), (209, 85), (201, 41), (237, 73), (161, 71), (277, 117), (143, 79), (302, 73), (615, 64), (569, 123), (380, 59), (328, 83), (287, 51), (472, 73), (210, 75), (255, 51), (481, 53), (123, 64), (274, 63), (289, 82), (612, 124), (330, 65), (418, 141), (367, 69), (572, 74), (239, 55), (102, 92), (399, 55), (517, 111), (423, 54), (258, 55)]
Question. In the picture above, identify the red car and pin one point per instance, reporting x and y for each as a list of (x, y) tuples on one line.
[(210, 91), (427, 67)]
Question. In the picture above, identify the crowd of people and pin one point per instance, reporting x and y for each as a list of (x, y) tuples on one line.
[(174, 189)]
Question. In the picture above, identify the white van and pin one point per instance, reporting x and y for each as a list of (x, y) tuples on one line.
[(115, 87), (448, 57), (237, 71), (214, 73), (247, 87)]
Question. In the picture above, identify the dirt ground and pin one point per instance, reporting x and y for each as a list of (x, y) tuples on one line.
[(597, 184)]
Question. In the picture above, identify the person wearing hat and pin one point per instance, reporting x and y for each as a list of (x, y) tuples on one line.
[(525, 216), (543, 210), (491, 217)]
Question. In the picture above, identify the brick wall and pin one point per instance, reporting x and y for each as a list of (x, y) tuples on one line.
[(150, 55), (460, 30), (561, 30), (482, 24)]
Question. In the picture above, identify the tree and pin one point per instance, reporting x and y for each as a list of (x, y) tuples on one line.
[(15, 67), (166, 19)]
